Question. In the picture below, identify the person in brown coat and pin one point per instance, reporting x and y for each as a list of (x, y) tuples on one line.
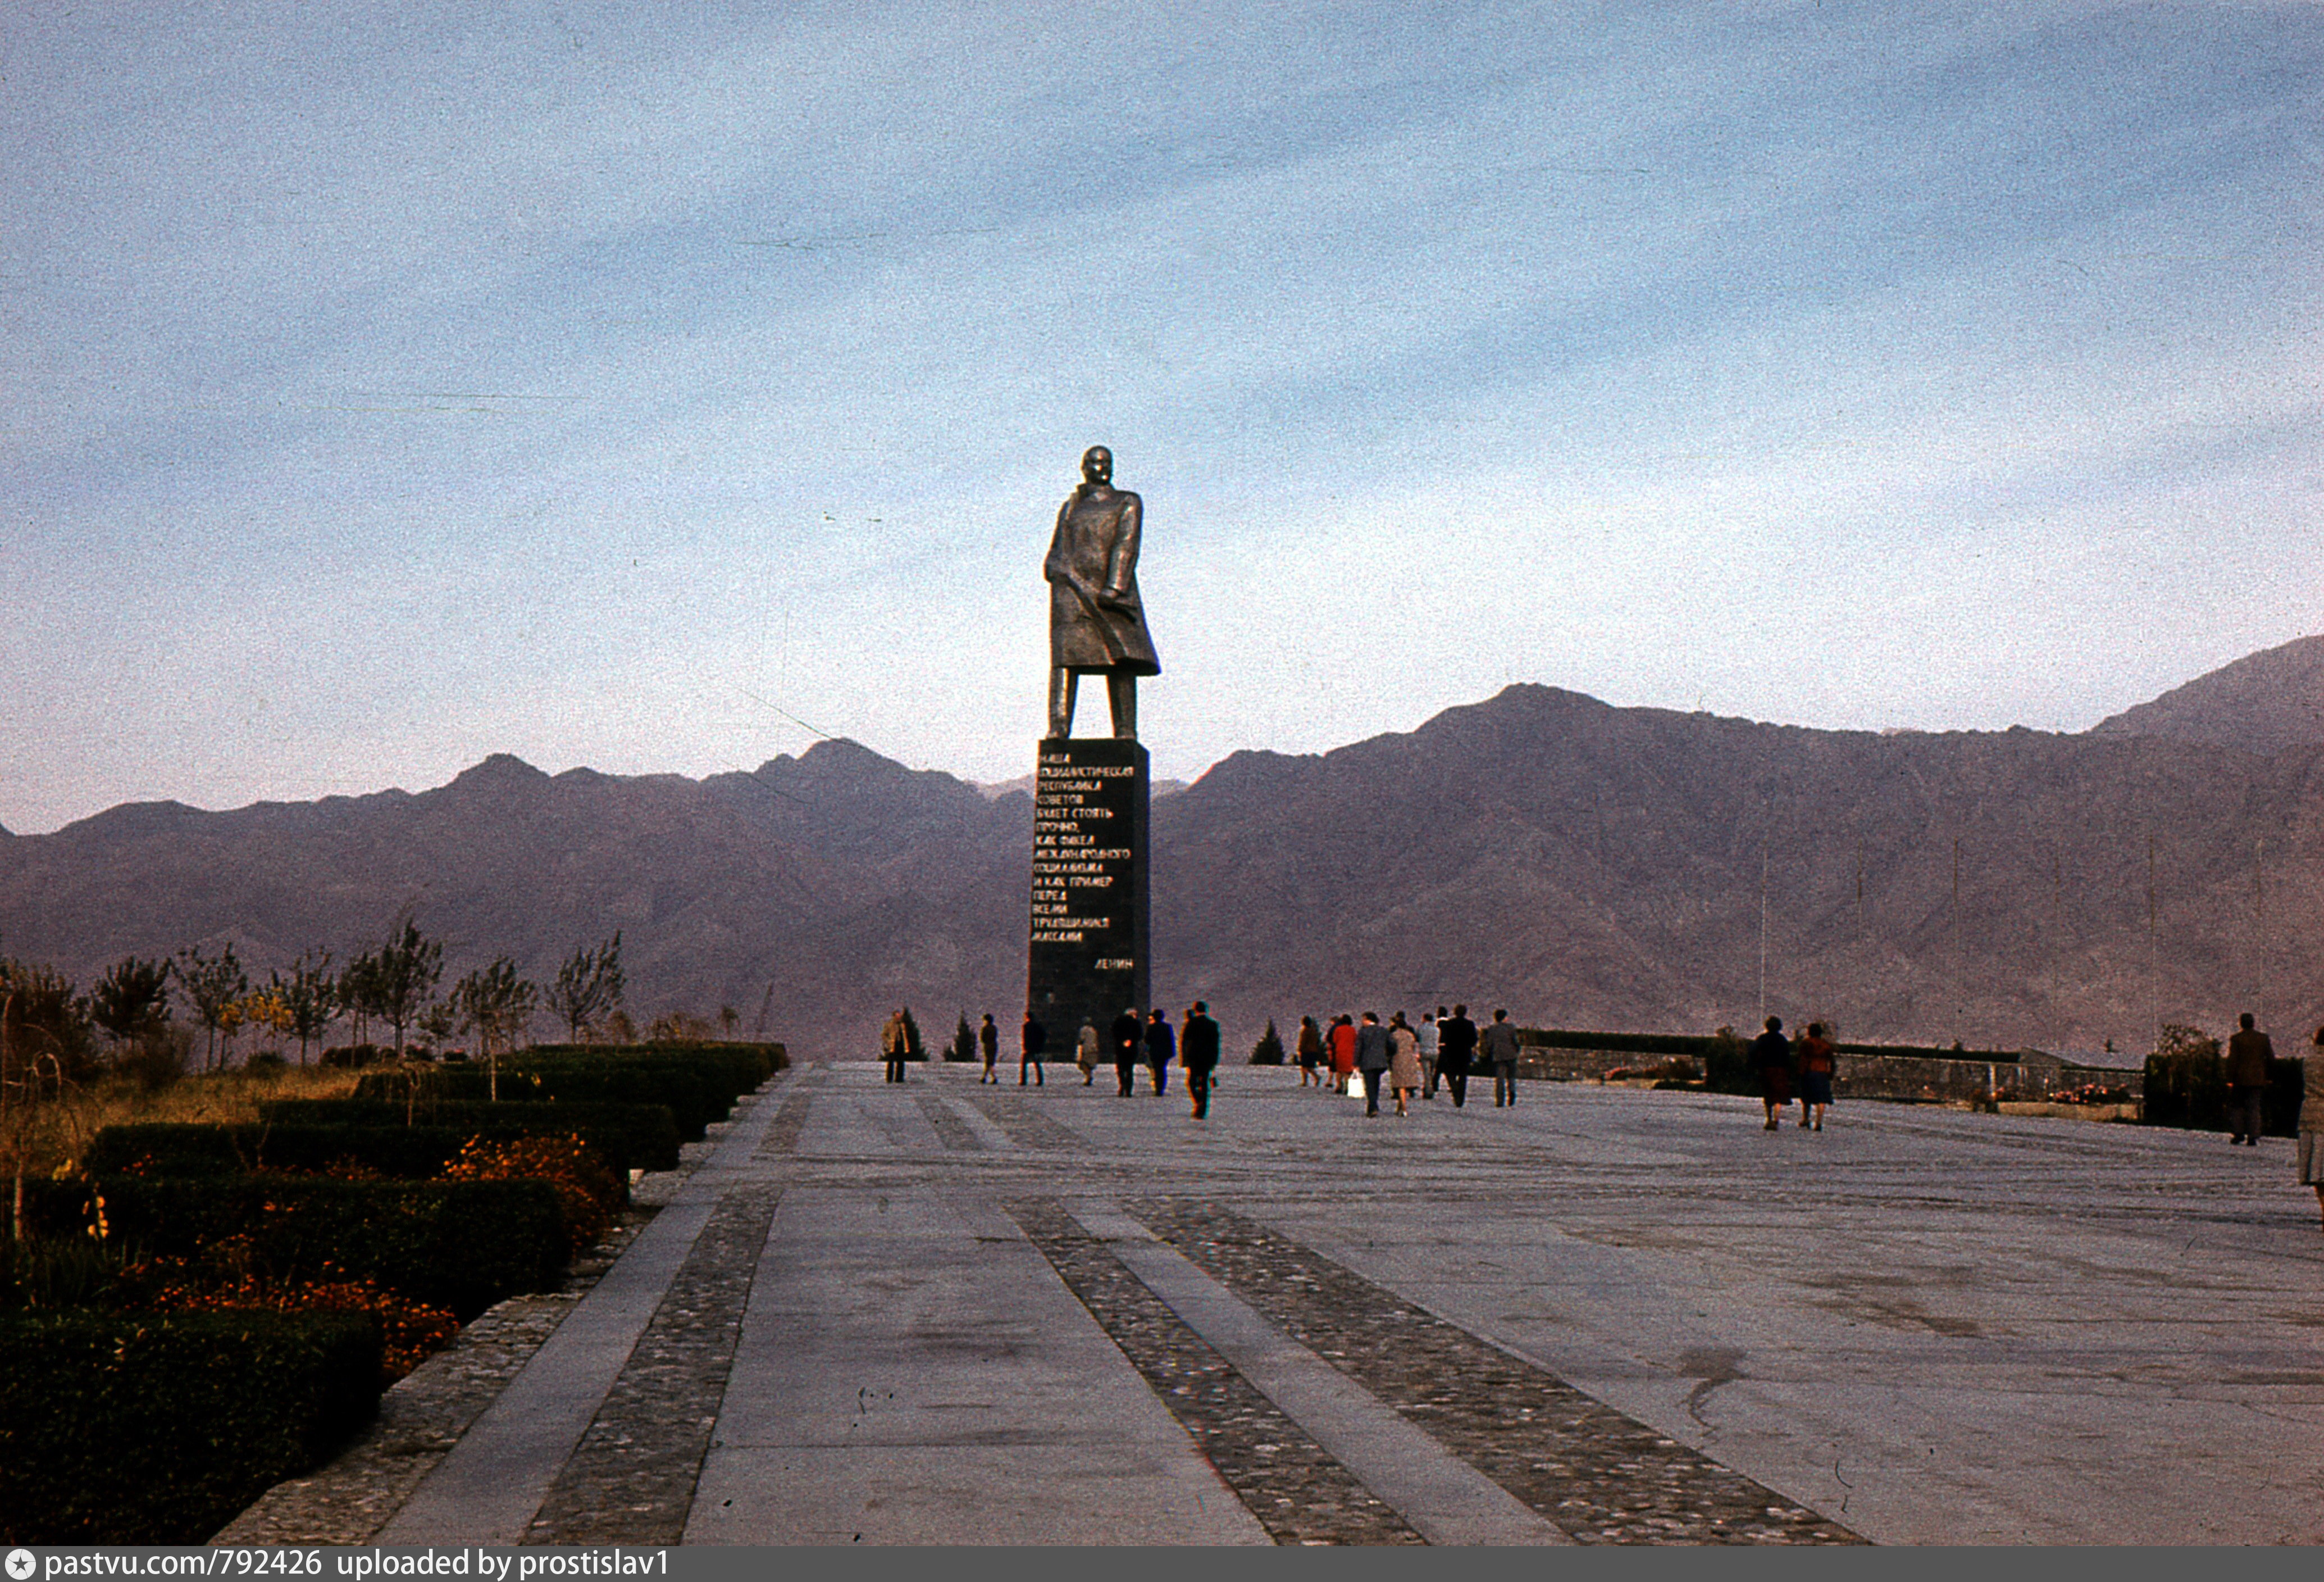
[(2248, 1053)]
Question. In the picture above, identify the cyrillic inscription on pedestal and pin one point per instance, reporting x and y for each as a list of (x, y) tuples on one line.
[(1088, 957)]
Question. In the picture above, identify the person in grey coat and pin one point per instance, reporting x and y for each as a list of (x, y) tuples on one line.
[(1373, 1054), (1500, 1047)]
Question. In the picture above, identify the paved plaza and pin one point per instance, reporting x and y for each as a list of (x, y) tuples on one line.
[(948, 1312)]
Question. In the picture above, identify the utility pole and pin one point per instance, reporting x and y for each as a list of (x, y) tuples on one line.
[(2153, 989), (1960, 983), (2257, 970), (1763, 930)]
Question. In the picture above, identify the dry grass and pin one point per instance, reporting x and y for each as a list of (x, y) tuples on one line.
[(55, 1135)]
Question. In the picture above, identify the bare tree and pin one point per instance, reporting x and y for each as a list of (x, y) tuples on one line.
[(588, 988)]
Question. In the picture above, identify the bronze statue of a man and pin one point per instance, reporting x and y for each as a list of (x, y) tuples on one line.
[(1096, 624)]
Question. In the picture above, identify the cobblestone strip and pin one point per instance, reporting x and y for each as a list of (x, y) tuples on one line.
[(954, 1132), (631, 1479), (1026, 1127), (1295, 1488), (420, 1419), (783, 1131), (1602, 1477)]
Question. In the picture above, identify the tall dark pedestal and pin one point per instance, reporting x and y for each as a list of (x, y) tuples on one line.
[(1088, 956)]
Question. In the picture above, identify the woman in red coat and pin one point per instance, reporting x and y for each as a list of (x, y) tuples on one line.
[(1344, 1053)]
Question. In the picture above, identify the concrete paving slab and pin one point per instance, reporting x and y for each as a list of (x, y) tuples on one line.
[(1946, 1329), (1928, 1326), (909, 1375)]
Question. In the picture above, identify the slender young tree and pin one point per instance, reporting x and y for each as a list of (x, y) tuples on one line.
[(312, 995), (409, 964), (497, 1005), (588, 988), (131, 999), (358, 993), (214, 984)]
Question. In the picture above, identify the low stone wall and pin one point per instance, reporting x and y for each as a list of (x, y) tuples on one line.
[(1904, 1078), (1553, 1065)]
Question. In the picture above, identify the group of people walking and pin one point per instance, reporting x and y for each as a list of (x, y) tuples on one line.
[(1784, 1064), (1195, 1044), (1153, 1043), (1408, 1062)]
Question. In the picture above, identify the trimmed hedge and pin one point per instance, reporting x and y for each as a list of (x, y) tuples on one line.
[(693, 1105), (2190, 1092), (403, 1152), (700, 1083), (630, 1136), (127, 1428), (462, 1245), (737, 1069)]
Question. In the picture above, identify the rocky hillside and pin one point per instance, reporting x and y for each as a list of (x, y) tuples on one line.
[(1600, 867), (816, 888), (2263, 703), (1585, 866)]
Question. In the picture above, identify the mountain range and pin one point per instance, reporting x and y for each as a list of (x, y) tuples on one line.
[(1584, 865)]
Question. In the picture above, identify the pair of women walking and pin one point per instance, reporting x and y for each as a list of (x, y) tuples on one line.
[(1383, 1055), (1813, 1060)]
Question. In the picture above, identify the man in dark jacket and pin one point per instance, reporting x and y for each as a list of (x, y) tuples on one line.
[(1499, 1046), (1198, 1051), (1771, 1053), (1456, 1042), (1035, 1044), (988, 1038), (1127, 1040), (1372, 1056), (1161, 1043), (2248, 1053)]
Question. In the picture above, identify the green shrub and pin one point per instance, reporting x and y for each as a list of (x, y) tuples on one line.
[(738, 1067), (2187, 1089), (461, 1246), (1268, 1050), (630, 1136), (693, 1105), (1727, 1064), (401, 1153), (63, 1271), (122, 1428)]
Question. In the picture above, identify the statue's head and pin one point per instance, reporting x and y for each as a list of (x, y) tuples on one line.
[(1097, 465)]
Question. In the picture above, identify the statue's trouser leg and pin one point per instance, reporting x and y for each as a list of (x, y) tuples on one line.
[(1121, 692), (1063, 684)]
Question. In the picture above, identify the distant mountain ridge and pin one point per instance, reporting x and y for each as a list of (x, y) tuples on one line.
[(1585, 866), (2263, 703)]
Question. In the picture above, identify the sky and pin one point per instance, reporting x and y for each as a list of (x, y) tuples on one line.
[(661, 388)]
